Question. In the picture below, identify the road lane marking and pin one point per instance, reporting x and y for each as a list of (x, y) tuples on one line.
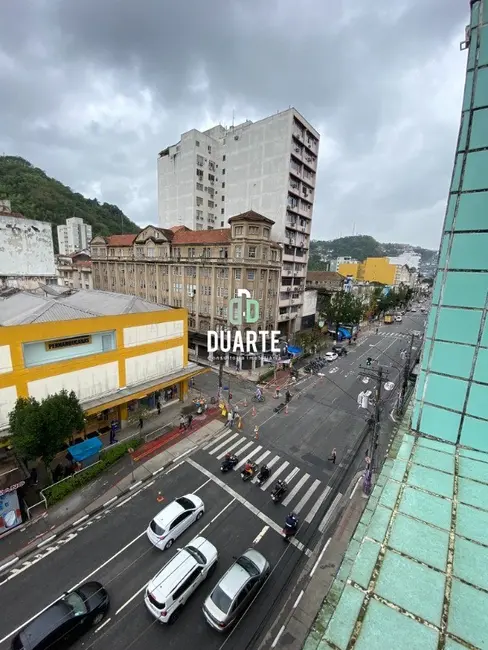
[(317, 504), (110, 501), (275, 475), (134, 485), (329, 513), (248, 455), (171, 469), (122, 503), (185, 453), (9, 563), (260, 536), (222, 511), (217, 439), (85, 579), (46, 541), (229, 449), (320, 557), (355, 487), (296, 489), (80, 520), (297, 601), (267, 520), (103, 625), (278, 636), (128, 602), (222, 444), (306, 497), (201, 486)]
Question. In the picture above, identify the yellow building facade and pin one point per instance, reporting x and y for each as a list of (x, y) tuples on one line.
[(110, 360), (373, 269), (349, 269)]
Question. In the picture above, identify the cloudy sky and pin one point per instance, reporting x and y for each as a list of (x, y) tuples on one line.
[(92, 90)]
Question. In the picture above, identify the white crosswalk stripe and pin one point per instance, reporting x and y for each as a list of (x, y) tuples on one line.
[(296, 489), (263, 456), (249, 455), (275, 475), (317, 504), (242, 449), (273, 462), (217, 439), (306, 497), (291, 475), (223, 444), (229, 449)]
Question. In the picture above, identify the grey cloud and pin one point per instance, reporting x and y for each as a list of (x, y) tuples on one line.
[(341, 65)]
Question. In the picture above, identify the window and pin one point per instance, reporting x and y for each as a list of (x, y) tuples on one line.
[(200, 173), (253, 230), (261, 294), (223, 185), (199, 200), (200, 187), (211, 177), (209, 149), (223, 172), (223, 158), (237, 274), (211, 204), (252, 251), (223, 197), (199, 160), (222, 211), (251, 274), (191, 252), (199, 214), (274, 255), (238, 230), (266, 233), (238, 251), (221, 224), (197, 143)]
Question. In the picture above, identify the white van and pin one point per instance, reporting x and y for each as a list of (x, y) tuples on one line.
[(169, 590)]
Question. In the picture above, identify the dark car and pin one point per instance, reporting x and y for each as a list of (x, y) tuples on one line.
[(66, 620), (339, 349)]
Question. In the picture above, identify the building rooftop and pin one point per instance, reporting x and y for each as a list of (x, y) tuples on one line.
[(23, 308), (218, 236), (251, 215), (120, 240), (324, 276), (416, 571)]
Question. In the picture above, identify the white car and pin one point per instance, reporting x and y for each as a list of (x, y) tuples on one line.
[(171, 587), (413, 310), (174, 519), (398, 319), (331, 356)]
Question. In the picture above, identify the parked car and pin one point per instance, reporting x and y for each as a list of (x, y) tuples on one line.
[(169, 590), (236, 589), (398, 318), (331, 356), (340, 350), (64, 622), (174, 519)]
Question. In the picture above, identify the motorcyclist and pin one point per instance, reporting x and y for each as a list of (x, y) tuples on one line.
[(280, 487), (249, 467), (264, 472), (291, 522)]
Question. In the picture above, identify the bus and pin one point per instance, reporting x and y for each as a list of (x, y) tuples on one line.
[(388, 318)]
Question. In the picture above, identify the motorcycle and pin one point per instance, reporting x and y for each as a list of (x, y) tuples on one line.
[(290, 528), (263, 476), (228, 463), (249, 471), (279, 491)]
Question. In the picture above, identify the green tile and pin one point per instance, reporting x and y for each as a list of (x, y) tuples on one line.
[(436, 459), (377, 490), (452, 645), (438, 422), (467, 614), (390, 494), (398, 470), (431, 480), (471, 562), (406, 448), (344, 618), (412, 586), (473, 493), (365, 562), (345, 570), (420, 541), (476, 455), (372, 502), (476, 163), (428, 507), (473, 469), (366, 518), (472, 523), (473, 433), (359, 532), (435, 444), (382, 624), (379, 523)]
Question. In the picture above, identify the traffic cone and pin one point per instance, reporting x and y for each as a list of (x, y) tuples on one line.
[(239, 423), (256, 432), (160, 497), (254, 411), (286, 409), (245, 402)]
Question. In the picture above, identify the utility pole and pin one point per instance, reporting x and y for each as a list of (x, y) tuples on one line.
[(379, 375)]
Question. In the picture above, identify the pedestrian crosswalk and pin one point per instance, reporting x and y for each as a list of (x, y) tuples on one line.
[(394, 335), (303, 488)]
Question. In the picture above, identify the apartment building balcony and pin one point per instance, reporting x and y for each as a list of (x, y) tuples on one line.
[(309, 178), (283, 317), (310, 160), (295, 187)]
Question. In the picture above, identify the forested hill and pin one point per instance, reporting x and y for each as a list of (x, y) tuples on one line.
[(37, 196)]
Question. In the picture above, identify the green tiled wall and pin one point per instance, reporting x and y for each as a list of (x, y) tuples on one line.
[(452, 391)]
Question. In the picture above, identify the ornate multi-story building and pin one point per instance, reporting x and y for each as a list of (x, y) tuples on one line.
[(201, 270)]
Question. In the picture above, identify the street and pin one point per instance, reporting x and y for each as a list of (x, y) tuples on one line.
[(113, 548)]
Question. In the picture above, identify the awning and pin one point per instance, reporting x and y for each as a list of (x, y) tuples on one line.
[(85, 449)]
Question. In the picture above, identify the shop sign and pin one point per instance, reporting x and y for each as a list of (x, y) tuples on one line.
[(12, 488), (71, 342)]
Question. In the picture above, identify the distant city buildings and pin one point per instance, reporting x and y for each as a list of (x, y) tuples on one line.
[(269, 167), (380, 270), (74, 236), (26, 251), (75, 270)]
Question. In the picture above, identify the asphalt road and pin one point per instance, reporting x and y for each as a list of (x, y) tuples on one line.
[(113, 547)]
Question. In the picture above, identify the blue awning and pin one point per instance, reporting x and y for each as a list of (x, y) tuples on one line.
[(345, 333), (85, 449), (294, 350)]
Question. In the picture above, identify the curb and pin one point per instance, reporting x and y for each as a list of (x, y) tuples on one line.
[(63, 528)]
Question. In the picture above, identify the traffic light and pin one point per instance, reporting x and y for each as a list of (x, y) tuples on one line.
[(369, 361)]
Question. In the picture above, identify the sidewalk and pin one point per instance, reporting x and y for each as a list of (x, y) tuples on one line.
[(113, 484)]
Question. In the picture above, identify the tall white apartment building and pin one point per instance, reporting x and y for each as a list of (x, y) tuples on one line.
[(75, 236), (269, 166)]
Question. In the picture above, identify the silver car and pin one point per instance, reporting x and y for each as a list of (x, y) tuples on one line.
[(236, 590)]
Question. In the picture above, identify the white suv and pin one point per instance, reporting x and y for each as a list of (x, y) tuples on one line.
[(173, 520), (169, 590)]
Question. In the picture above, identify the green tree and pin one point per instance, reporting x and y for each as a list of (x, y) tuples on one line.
[(343, 308), (39, 429)]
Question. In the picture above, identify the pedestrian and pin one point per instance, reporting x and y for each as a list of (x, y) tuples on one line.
[(333, 456), (182, 422), (287, 397), (230, 419), (158, 406), (33, 476), (190, 420), (141, 423)]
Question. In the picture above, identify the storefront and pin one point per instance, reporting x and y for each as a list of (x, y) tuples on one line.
[(12, 481)]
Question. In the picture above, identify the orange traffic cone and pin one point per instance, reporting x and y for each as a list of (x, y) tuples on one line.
[(245, 401), (256, 432), (160, 497), (254, 411), (239, 423)]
